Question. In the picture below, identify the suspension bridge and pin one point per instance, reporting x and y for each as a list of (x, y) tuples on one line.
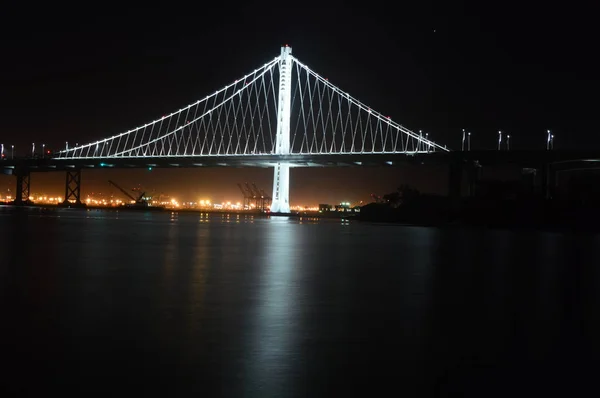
[(281, 115)]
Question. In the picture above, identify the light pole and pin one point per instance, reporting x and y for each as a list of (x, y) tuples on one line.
[(552, 141), (548, 140), (508, 142), (499, 139), (43, 150), (2, 151), (463, 141), (32, 149), (12, 151), (469, 141)]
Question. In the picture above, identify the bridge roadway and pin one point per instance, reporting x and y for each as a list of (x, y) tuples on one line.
[(525, 159), (547, 163)]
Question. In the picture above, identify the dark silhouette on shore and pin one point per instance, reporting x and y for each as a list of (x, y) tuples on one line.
[(496, 204)]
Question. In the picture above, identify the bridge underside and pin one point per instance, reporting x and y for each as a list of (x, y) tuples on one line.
[(267, 161), (559, 159)]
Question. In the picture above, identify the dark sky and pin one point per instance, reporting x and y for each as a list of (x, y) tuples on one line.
[(79, 74)]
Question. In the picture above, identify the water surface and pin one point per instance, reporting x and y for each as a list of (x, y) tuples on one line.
[(238, 306)]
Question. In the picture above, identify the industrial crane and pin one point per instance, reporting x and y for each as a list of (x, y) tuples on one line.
[(262, 196), (139, 201), (247, 197), (252, 194)]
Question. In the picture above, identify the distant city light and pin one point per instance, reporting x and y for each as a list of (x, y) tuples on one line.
[(99, 199)]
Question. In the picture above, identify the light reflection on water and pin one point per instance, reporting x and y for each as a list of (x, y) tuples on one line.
[(275, 329), (242, 305)]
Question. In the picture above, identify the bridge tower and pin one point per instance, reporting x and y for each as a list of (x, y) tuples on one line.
[(281, 178)]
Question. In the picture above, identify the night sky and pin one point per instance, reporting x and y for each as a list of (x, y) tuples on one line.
[(83, 74)]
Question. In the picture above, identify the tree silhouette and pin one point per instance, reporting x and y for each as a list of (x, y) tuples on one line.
[(404, 194)]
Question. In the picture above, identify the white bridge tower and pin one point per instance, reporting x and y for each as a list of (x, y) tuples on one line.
[(281, 178)]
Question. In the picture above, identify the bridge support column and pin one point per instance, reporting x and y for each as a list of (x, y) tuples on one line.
[(528, 179), (474, 170), (281, 189), (23, 187), (455, 174), (548, 181), (281, 177), (73, 187)]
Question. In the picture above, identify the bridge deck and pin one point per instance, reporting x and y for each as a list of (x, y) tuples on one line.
[(264, 161), (485, 158)]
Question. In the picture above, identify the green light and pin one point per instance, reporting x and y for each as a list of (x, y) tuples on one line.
[(102, 164)]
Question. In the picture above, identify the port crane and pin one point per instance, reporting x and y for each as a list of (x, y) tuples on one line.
[(139, 201), (262, 197), (254, 195), (247, 196), (251, 195)]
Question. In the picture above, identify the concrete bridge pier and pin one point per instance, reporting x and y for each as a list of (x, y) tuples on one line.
[(548, 181), (455, 177), (458, 169), (529, 178), (474, 172)]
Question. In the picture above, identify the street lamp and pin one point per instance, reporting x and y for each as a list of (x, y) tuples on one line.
[(32, 149), (499, 139), (548, 140), (469, 141), (552, 141), (43, 152), (508, 142), (12, 151), (463, 141)]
